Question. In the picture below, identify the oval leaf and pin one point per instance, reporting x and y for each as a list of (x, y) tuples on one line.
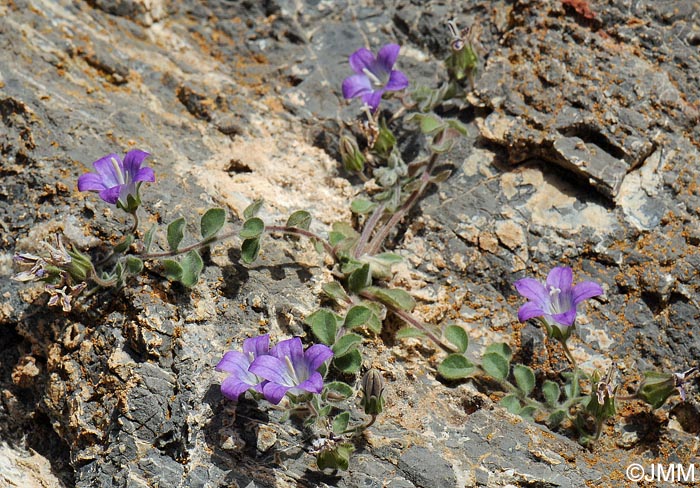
[(300, 219), (250, 249), (211, 222), (175, 233), (458, 337), (360, 279), (252, 228), (148, 239), (172, 269), (192, 266), (134, 265), (338, 391), (455, 367), (511, 403), (524, 378), (252, 209), (349, 363), (335, 291), (124, 244), (362, 206), (495, 366), (551, 393), (340, 423), (500, 348), (395, 297), (324, 325), (346, 343), (357, 316)]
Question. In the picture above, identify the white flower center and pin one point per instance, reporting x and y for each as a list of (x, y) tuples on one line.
[(373, 78), (554, 300), (118, 172), (290, 369)]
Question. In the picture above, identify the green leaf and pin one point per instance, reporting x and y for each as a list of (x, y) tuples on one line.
[(124, 244), (192, 266), (346, 343), (211, 222), (250, 249), (300, 219), (134, 265), (495, 366), (394, 297), (360, 279), (500, 348), (524, 378), (527, 412), (252, 209), (374, 323), (556, 418), (252, 228), (455, 367), (324, 325), (362, 206), (337, 458), (173, 270), (430, 124), (357, 316), (335, 291), (340, 423), (148, 238), (176, 233), (551, 393), (388, 258), (337, 391), (441, 176), (458, 337), (409, 332), (511, 403), (349, 363)]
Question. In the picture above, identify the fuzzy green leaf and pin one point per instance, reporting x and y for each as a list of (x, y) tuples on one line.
[(524, 378), (394, 297), (500, 348), (357, 316), (300, 219), (409, 332), (176, 231), (172, 269), (458, 337), (134, 265), (362, 206), (349, 363), (495, 366), (211, 222), (252, 228), (556, 418), (455, 367), (192, 266), (250, 249), (252, 209), (148, 238), (340, 423), (324, 325), (551, 393), (511, 403), (360, 279), (124, 244), (346, 343), (337, 391), (335, 291)]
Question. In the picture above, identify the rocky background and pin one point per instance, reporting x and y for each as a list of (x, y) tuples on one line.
[(583, 150)]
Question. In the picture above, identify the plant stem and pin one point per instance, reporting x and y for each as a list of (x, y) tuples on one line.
[(200, 244), (374, 245), (570, 357), (305, 233), (368, 228), (136, 223), (411, 320)]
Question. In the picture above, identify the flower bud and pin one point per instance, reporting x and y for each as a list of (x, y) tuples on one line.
[(656, 388), (353, 159), (373, 392), (79, 267)]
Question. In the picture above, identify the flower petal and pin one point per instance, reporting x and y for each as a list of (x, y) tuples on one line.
[(361, 59), (110, 195), (560, 278), (355, 86), (144, 174), (386, 57), (373, 99), (566, 318), (316, 355), (233, 362), (133, 160), (274, 392), (313, 385), (529, 311), (105, 168), (585, 290), (259, 345), (291, 348), (533, 290), (232, 388), (397, 81), (270, 368), (90, 182)]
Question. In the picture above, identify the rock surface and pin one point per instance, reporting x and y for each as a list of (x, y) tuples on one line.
[(583, 149)]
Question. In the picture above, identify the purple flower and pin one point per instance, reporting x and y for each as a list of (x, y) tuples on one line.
[(556, 302), (373, 75), (116, 181), (237, 363), (288, 368)]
